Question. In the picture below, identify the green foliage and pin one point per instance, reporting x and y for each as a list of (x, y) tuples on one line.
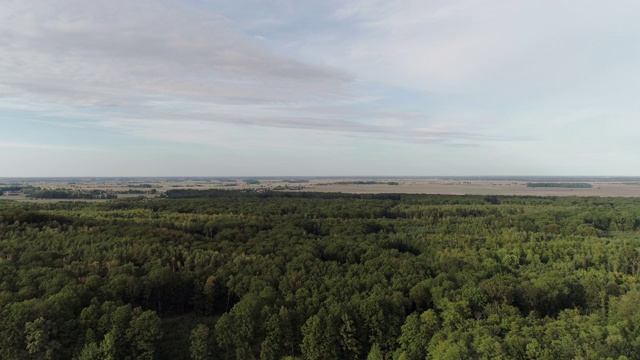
[(39, 335), (200, 344), (143, 334), (375, 353), (318, 341), (241, 275)]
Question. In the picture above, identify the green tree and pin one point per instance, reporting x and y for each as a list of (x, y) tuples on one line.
[(271, 347), (375, 353), (91, 351), (319, 340), (143, 333), (40, 341), (225, 336), (200, 348), (351, 347)]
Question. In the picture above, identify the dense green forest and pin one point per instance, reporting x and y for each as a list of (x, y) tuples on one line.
[(241, 275)]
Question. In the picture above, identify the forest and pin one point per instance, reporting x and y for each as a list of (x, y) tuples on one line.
[(224, 274)]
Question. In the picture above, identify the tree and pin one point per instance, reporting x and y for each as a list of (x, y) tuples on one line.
[(289, 334), (420, 294), (349, 342), (118, 323), (271, 347), (200, 348), (375, 353), (224, 331), (91, 351), (40, 342), (108, 347), (319, 340), (143, 333)]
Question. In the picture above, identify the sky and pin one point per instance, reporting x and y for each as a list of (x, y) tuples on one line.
[(319, 88)]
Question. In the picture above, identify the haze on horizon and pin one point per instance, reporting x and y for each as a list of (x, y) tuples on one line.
[(319, 88)]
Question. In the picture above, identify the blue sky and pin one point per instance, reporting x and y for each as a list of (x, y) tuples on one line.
[(283, 88)]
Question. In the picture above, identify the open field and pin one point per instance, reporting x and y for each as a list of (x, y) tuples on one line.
[(482, 187)]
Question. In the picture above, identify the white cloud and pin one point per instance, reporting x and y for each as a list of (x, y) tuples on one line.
[(103, 53), (325, 74), (161, 62), (496, 50), (37, 146)]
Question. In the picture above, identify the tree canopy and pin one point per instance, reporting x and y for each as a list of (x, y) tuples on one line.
[(237, 275)]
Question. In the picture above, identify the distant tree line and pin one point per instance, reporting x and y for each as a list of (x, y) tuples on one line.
[(252, 193), (146, 186), (365, 182), (11, 188), (16, 188), (560, 185), (287, 187), (136, 191), (71, 194)]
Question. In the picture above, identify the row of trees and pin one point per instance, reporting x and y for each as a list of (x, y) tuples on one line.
[(561, 185), (71, 194)]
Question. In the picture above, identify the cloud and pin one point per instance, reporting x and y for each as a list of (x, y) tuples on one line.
[(36, 146), (494, 51), (217, 128), (149, 68), (106, 53)]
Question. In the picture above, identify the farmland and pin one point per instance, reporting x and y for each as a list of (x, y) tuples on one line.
[(153, 187)]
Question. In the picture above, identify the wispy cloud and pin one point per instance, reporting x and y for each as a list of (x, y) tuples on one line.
[(47, 147), (117, 52), (159, 60), (507, 79)]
